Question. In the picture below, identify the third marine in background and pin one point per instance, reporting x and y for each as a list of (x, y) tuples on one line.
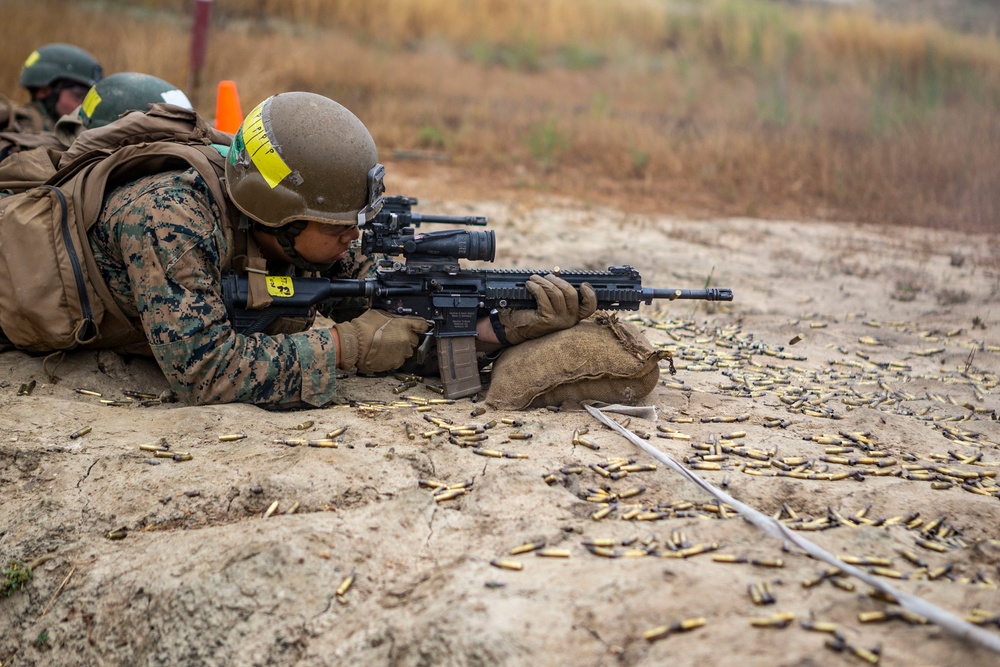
[(57, 76)]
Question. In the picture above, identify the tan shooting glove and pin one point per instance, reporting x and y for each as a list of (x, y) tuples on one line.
[(559, 307), (377, 342)]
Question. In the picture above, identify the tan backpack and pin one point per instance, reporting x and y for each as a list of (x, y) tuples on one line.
[(52, 295)]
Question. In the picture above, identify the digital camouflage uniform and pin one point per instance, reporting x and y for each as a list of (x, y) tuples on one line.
[(161, 250)]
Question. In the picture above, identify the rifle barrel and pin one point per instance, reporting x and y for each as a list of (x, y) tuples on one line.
[(475, 220), (710, 294)]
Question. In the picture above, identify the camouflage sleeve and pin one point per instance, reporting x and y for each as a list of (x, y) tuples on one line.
[(160, 246)]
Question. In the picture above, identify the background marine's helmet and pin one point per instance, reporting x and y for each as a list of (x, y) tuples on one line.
[(118, 93), (56, 62), (301, 156)]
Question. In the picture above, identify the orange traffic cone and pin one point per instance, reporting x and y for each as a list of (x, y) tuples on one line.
[(228, 114)]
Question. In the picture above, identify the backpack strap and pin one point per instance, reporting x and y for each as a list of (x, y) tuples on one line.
[(248, 259)]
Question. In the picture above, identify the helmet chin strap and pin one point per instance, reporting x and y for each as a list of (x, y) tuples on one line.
[(286, 236)]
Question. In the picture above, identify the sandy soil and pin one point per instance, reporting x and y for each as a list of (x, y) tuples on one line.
[(899, 341)]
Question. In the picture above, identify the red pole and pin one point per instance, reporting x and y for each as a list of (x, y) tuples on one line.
[(199, 46)]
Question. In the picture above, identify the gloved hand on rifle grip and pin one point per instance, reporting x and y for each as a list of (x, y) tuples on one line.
[(559, 307), (377, 341)]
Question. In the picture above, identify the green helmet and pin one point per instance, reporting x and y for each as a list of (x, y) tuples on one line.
[(55, 62), (119, 93), (301, 156)]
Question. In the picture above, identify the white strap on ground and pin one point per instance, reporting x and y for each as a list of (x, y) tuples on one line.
[(775, 528)]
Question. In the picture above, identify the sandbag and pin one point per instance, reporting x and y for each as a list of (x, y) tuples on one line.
[(601, 359)]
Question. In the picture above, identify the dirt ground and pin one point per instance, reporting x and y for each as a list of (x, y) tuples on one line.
[(236, 556)]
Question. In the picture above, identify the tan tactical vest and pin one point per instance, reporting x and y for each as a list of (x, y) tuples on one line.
[(52, 294)]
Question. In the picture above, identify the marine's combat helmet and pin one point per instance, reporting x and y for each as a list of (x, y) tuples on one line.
[(55, 62), (118, 93), (300, 156)]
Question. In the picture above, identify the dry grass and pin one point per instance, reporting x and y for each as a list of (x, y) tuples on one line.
[(719, 107)]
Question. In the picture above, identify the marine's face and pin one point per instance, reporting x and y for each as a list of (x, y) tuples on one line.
[(70, 97), (321, 243)]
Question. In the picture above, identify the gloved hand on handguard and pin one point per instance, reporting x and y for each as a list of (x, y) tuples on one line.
[(559, 307)]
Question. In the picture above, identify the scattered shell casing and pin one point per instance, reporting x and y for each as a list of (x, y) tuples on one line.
[(599, 470), (864, 560), (345, 585), (602, 513), (488, 452), (868, 656), (780, 620), (507, 564), (304, 425), (160, 446), (140, 395), (695, 550), (232, 437), (26, 388), (449, 494), (842, 583), (600, 542), (337, 432), (872, 617), (323, 442), (88, 392), (931, 546), (519, 436), (182, 456), (729, 558), (271, 510), (478, 410), (117, 534), (821, 626), (552, 553), (80, 433), (525, 548), (666, 630)]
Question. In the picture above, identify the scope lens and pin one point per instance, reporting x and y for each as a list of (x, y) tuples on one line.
[(482, 245)]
